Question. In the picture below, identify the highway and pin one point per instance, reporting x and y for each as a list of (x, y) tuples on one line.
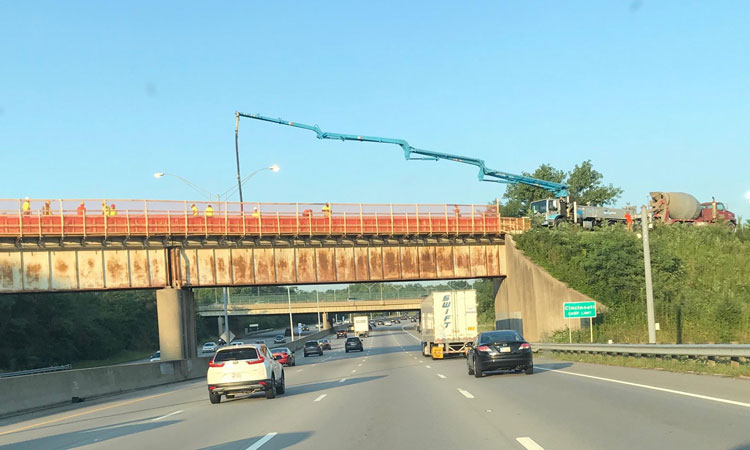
[(389, 396)]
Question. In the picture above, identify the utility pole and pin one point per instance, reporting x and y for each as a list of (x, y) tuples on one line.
[(317, 300), (289, 299), (649, 284), (225, 295)]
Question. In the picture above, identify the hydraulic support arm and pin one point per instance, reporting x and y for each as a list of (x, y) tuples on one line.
[(485, 173)]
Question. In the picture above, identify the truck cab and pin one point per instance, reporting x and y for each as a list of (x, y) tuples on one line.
[(549, 210)]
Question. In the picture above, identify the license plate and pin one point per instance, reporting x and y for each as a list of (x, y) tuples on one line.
[(504, 349)]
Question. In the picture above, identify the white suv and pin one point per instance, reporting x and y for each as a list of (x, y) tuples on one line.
[(244, 369)]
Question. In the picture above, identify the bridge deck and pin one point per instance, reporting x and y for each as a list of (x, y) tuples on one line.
[(158, 218)]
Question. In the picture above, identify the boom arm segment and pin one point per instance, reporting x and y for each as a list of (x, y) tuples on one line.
[(485, 173)]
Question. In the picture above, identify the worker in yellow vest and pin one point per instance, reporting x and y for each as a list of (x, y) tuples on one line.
[(194, 209), (209, 211), (105, 208), (256, 213), (327, 210), (112, 210), (26, 206)]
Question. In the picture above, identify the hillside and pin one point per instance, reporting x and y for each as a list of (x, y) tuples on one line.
[(701, 279)]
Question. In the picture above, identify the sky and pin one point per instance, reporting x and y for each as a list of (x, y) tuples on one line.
[(97, 96)]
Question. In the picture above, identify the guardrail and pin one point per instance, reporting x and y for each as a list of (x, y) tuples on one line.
[(710, 351), (34, 371), (309, 297)]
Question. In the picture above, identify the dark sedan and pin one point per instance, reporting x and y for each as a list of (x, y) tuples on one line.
[(312, 347), (499, 350), (340, 334), (353, 343)]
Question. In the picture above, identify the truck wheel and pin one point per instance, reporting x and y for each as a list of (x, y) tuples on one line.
[(529, 370), (214, 398), (731, 226)]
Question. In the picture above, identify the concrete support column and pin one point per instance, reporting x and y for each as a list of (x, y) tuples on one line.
[(221, 324), (176, 316), (324, 319)]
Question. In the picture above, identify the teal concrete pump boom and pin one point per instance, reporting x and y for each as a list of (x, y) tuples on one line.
[(485, 173)]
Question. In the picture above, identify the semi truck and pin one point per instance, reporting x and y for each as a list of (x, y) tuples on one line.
[(679, 207), (361, 326), (448, 322)]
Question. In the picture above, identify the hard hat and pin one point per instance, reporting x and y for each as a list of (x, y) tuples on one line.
[(26, 198)]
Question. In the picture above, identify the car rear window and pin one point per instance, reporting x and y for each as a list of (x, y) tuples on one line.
[(311, 344), (500, 336), (352, 339), (281, 350), (236, 354)]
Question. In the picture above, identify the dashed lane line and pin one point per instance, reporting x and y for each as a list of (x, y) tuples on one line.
[(167, 415), (529, 443), (655, 388), (428, 367), (466, 394), (321, 397), (354, 370), (359, 365), (258, 444), (441, 375)]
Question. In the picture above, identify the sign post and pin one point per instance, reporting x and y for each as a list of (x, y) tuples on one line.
[(580, 310)]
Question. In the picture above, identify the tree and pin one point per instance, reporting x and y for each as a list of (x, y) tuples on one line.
[(519, 196), (586, 186)]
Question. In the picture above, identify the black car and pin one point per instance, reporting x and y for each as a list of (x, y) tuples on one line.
[(313, 348), (353, 343), (499, 350), (340, 334)]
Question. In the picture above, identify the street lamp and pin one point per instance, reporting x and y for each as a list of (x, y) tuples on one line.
[(231, 191), (228, 193)]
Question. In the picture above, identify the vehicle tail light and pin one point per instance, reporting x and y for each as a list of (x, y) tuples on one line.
[(525, 346), (211, 388), (483, 348), (213, 364), (256, 361)]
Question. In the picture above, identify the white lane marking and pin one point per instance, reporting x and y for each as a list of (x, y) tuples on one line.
[(359, 365), (164, 417), (262, 441), (529, 443), (442, 376), (414, 357), (322, 396), (428, 367), (342, 380), (299, 370), (466, 394), (354, 370), (420, 362), (655, 388)]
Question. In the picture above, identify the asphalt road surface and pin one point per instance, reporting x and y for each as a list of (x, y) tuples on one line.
[(390, 396)]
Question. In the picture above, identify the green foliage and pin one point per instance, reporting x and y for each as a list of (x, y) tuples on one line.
[(700, 277), (585, 188)]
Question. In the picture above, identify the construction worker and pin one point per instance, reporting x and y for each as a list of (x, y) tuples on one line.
[(194, 209), (46, 209), (256, 213), (26, 206), (105, 208), (327, 210), (209, 211), (629, 221), (81, 210), (112, 210), (457, 211)]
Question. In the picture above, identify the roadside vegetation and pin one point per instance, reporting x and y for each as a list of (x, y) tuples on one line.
[(700, 279)]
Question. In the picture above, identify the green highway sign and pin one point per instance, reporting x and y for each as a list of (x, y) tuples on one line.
[(577, 310)]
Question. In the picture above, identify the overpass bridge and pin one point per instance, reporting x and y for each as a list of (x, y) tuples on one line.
[(102, 244)]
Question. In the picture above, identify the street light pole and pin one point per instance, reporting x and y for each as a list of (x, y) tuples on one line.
[(237, 154), (291, 322), (226, 315), (649, 284)]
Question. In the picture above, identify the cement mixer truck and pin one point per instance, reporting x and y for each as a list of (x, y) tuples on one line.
[(679, 207)]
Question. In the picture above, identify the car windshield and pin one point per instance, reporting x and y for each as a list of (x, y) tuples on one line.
[(236, 355), (500, 336)]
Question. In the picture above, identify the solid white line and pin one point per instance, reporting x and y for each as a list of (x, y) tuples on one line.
[(262, 441), (342, 380), (428, 367), (529, 443), (466, 394), (441, 375), (164, 417), (321, 397), (655, 388)]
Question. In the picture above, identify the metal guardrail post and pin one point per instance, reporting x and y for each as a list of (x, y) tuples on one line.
[(361, 221), (186, 219), (446, 219), (429, 217), (344, 223), (416, 210), (226, 220), (145, 214), (62, 220), (40, 224), (406, 215), (296, 207), (278, 224), (127, 220), (391, 205)]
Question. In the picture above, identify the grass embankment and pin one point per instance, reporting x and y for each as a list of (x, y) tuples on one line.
[(120, 358), (700, 279), (720, 367)]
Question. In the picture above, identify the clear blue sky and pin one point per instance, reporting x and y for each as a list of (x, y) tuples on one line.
[(97, 96)]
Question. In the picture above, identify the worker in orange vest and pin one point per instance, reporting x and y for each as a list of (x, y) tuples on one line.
[(81, 209), (629, 221), (46, 209)]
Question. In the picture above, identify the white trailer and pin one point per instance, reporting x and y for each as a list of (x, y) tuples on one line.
[(448, 322), (361, 326)]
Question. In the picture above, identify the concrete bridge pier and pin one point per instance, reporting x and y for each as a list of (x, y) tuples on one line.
[(176, 317), (324, 321)]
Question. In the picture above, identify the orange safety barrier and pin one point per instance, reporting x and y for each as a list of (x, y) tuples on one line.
[(164, 218)]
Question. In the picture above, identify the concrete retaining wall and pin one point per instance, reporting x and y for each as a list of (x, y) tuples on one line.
[(32, 392), (530, 300)]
